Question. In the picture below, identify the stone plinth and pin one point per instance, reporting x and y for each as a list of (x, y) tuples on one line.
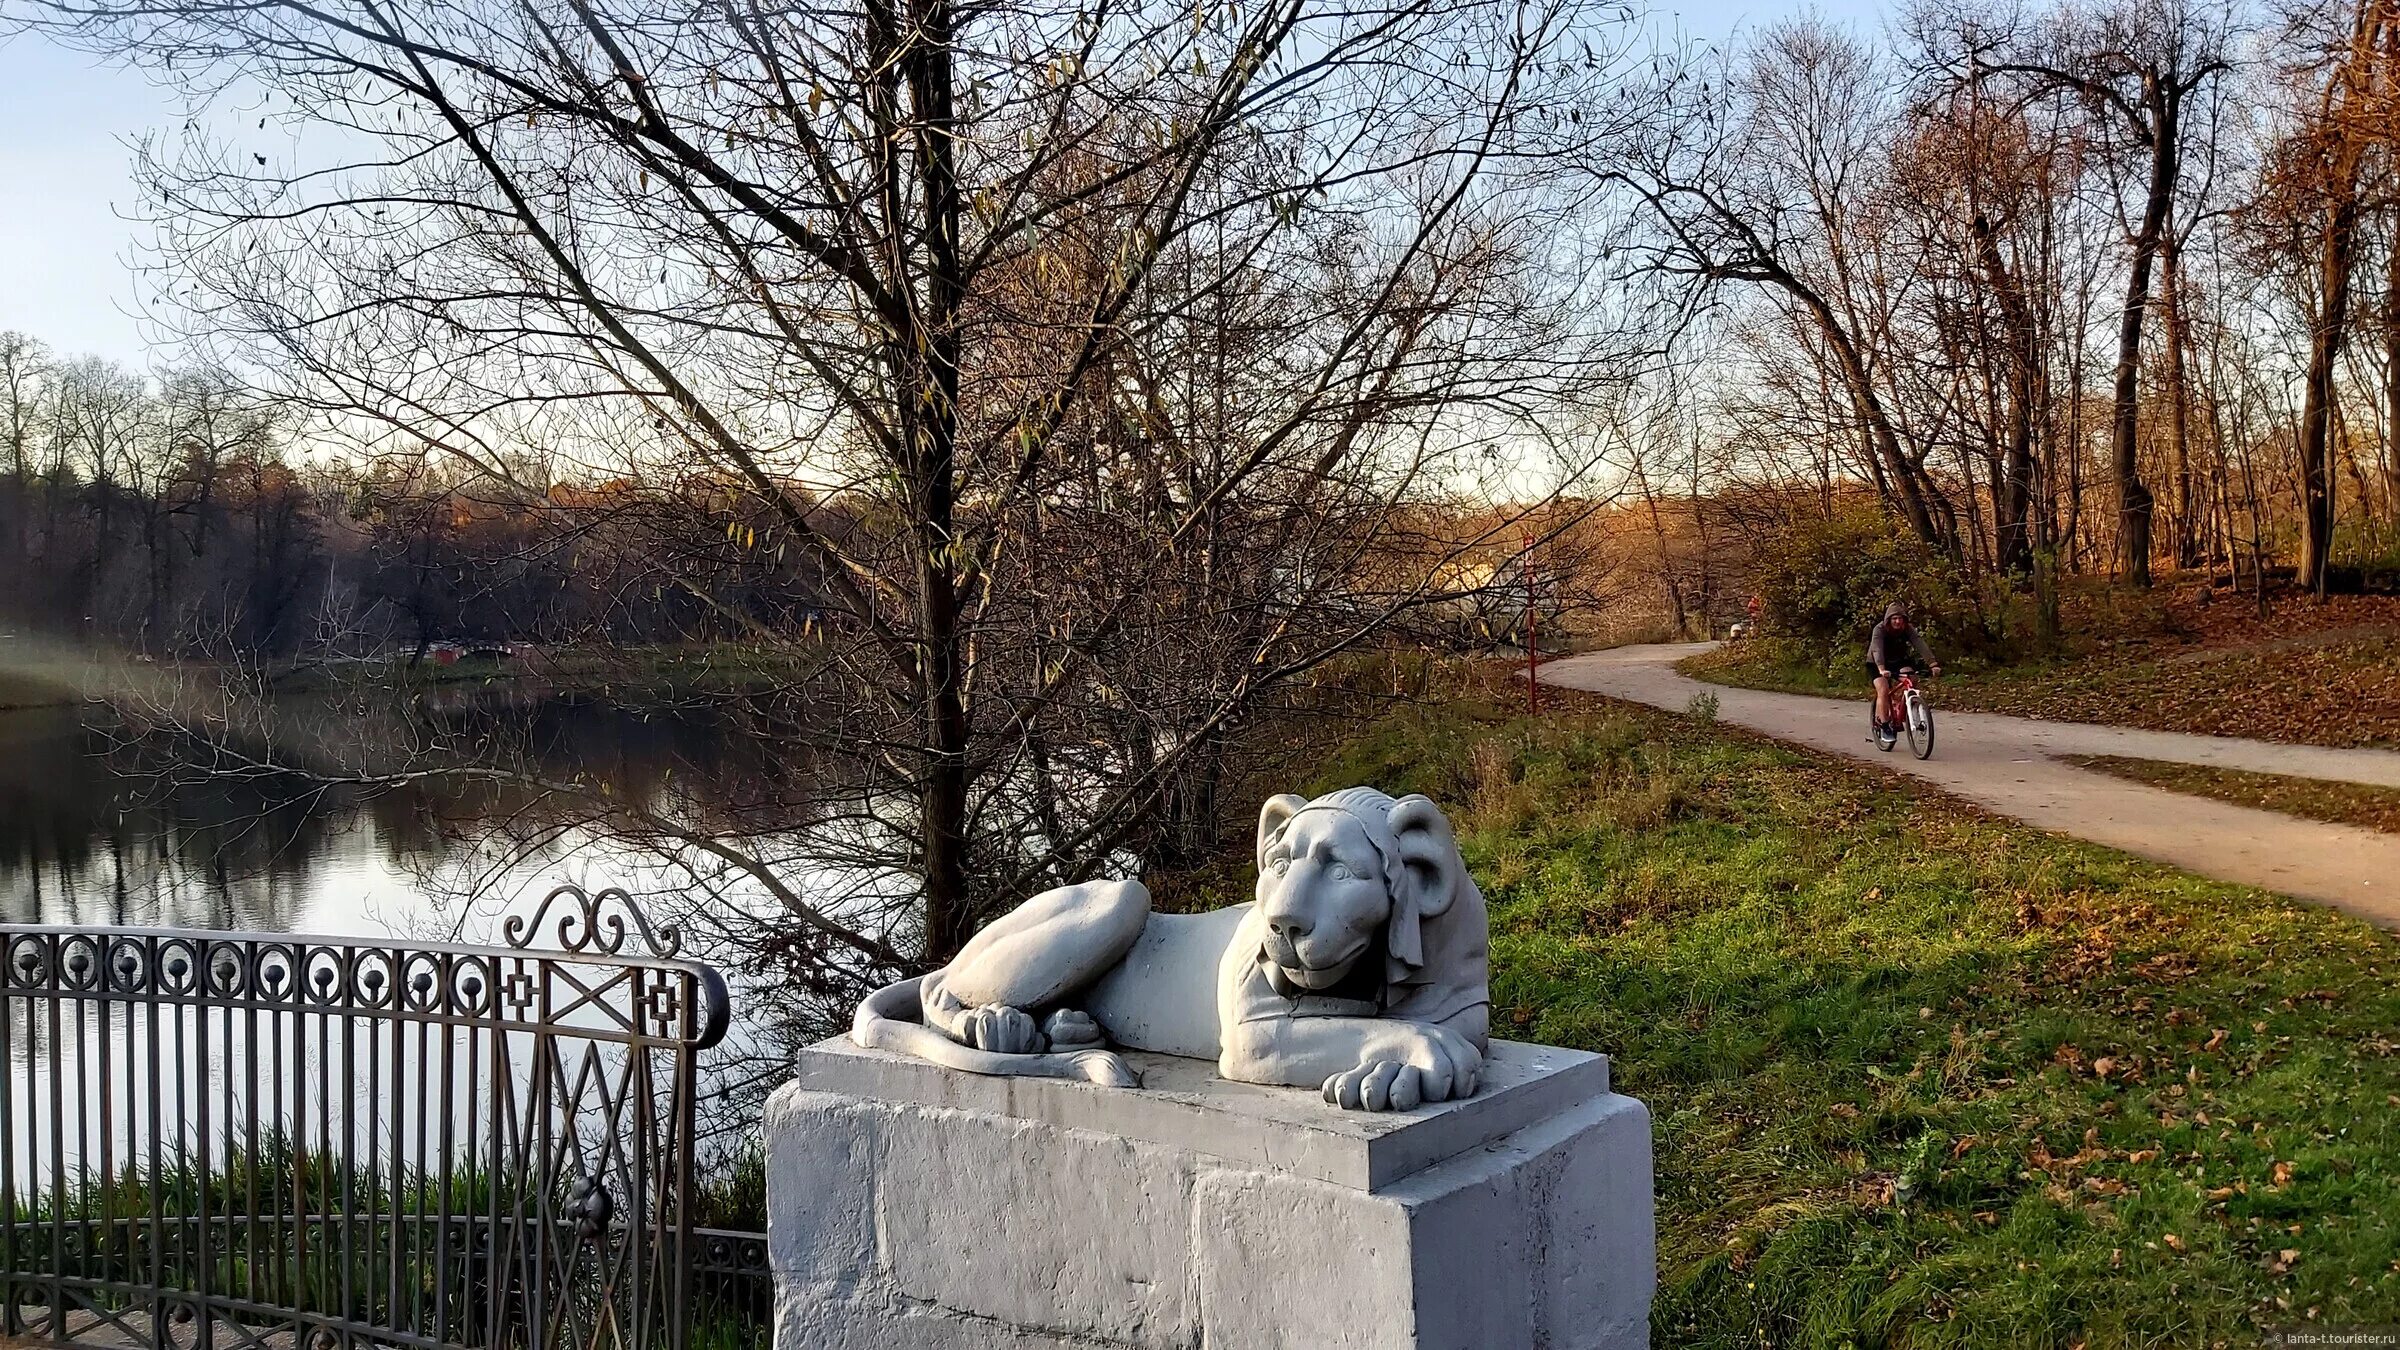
[(912, 1206)]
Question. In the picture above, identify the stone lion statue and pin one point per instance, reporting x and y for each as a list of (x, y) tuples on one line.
[(1362, 967)]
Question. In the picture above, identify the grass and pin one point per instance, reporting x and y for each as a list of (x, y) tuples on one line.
[(290, 1228), (1782, 665), (1920, 1077), (2376, 808)]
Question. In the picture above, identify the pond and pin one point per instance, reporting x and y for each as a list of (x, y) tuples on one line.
[(97, 830), (286, 1143), (99, 826)]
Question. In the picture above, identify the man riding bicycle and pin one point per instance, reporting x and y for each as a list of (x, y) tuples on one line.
[(1889, 647)]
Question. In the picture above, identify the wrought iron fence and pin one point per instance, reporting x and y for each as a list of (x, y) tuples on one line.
[(221, 1139)]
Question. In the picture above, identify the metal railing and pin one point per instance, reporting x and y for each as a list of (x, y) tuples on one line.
[(232, 1139)]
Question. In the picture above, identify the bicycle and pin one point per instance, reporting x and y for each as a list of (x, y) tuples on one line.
[(1916, 716)]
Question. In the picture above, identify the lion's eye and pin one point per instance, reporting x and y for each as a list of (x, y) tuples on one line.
[(1338, 872), (1279, 866)]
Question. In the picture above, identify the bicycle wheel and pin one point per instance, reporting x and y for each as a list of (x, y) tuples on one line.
[(1920, 726)]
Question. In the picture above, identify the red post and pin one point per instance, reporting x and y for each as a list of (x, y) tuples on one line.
[(1533, 678)]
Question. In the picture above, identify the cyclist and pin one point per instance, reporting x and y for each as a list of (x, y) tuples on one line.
[(1889, 647)]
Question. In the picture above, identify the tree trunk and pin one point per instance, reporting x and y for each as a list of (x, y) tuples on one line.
[(2391, 373), (1884, 440), (2133, 496), (931, 425), (2337, 251), (2179, 404), (2012, 503)]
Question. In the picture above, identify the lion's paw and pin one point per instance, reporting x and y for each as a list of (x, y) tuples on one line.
[(1378, 1085), (1003, 1030), (1071, 1029)]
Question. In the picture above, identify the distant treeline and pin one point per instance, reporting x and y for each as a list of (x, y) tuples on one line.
[(178, 516)]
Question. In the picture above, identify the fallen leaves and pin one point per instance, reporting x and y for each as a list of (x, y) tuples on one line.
[(2167, 967), (2340, 692)]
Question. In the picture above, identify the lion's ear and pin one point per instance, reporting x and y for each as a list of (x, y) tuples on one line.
[(1429, 851), (1429, 876), (1272, 818)]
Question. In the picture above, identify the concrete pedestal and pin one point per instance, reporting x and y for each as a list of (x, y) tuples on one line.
[(911, 1206)]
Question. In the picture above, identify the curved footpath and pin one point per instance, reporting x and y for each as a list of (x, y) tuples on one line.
[(2005, 764)]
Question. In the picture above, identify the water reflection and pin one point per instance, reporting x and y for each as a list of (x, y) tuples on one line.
[(98, 828), (87, 838)]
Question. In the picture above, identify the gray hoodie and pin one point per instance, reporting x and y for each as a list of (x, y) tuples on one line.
[(1880, 643)]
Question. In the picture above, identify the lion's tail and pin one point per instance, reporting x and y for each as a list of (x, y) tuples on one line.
[(886, 1020)]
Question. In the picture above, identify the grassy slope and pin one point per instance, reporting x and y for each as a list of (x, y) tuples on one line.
[(2376, 808), (2309, 673), (1870, 1025), (2337, 692), (2344, 692)]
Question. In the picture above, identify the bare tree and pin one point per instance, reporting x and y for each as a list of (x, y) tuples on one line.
[(2317, 190), (2137, 66), (1075, 354), (1766, 187)]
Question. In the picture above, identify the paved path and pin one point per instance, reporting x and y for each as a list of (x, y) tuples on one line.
[(2005, 764)]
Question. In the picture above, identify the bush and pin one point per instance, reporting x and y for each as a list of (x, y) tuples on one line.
[(1827, 581)]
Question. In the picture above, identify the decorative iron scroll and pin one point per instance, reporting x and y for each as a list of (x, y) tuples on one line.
[(213, 1141), (594, 922)]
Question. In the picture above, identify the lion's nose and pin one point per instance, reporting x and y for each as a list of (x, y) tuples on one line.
[(1289, 927)]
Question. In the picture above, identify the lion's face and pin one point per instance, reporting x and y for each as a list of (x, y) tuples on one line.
[(1322, 889)]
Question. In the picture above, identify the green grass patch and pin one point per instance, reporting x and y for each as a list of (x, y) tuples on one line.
[(283, 1227), (1920, 1077), (1782, 665), (2376, 808)]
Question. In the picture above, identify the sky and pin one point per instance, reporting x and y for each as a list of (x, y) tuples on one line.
[(67, 125)]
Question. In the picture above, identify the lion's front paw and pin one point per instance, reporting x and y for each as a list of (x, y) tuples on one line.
[(1071, 1029), (1002, 1030), (1406, 1064), (1378, 1085)]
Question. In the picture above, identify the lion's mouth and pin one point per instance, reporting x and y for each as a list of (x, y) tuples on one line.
[(1314, 976)]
